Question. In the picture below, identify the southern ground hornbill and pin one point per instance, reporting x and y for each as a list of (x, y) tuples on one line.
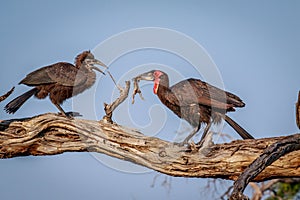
[(60, 81), (196, 101)]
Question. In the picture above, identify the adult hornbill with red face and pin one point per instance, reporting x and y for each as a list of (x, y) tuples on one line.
[(196, 101), (59, 81)]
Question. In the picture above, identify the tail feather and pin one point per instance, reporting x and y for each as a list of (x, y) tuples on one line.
[(242, 132), (16, 103)]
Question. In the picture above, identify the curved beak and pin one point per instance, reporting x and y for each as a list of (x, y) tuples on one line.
[(148, 76), (93, 62)]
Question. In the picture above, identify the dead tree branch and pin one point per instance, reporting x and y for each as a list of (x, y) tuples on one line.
[(274, 152), (259, 190), (50, 134), (109, 108)]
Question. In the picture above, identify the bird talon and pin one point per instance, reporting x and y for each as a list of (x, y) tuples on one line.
[(71, 114), (181, 144), (74, 114)]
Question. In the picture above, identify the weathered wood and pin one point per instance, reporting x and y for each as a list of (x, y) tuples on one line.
[(269, 156), (109, 108), (50, 134)]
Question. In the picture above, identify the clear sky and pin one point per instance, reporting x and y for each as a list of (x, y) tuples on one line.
[(251, 47)]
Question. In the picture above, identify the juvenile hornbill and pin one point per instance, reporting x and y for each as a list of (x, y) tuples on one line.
[(197, 102), (59, 81)]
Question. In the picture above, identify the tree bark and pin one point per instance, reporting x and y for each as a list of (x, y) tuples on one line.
[(50, 134), (269, 156)]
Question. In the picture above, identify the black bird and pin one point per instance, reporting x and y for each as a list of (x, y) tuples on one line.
[(59, 81), (197, 102)]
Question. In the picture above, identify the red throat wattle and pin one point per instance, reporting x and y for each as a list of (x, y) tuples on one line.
[(156, 84), (157, 74)]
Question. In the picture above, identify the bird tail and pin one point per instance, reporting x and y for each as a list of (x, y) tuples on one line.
[(15, 104), (242, 132)]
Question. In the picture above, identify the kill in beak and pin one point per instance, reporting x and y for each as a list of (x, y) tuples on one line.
[(148, 76)]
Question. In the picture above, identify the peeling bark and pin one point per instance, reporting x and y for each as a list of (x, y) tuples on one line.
[(50, 134), (269, 156)]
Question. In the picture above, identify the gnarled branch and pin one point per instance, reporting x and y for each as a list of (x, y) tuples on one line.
[(50, 134), (109, 108), (269, 156)]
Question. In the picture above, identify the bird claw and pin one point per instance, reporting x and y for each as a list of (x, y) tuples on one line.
[(189, 147), (206, 142), (181, 144), (72, 114)]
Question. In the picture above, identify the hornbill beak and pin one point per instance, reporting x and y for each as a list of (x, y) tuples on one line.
[(148, 76), (92, 62)]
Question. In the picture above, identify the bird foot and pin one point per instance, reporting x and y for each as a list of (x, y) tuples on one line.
[(71, 114), (205, 142), (193, 147), (181, 144), (199, 144), (190, 147)]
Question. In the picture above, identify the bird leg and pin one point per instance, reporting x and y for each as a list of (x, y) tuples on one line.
[(62, 112), (186, 140), (67, 114), (60, 109), (200, 143), (72, 114)]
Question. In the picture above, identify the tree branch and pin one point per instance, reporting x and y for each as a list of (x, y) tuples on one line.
[(50, 134), (269, 156), (109, 108)]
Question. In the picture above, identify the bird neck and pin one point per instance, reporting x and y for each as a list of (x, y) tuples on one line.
[(161, 86), (166, 96)]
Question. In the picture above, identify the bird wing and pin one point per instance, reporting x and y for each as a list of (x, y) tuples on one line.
[(195, 91), (62, 73)]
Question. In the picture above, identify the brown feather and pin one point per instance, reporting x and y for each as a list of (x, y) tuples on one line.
[(198, 102), (59, 81)]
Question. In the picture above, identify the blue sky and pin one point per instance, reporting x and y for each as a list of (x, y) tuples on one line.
[(254, 46)]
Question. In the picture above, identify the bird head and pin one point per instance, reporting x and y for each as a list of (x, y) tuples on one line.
[(88, 60), (156, 76)]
